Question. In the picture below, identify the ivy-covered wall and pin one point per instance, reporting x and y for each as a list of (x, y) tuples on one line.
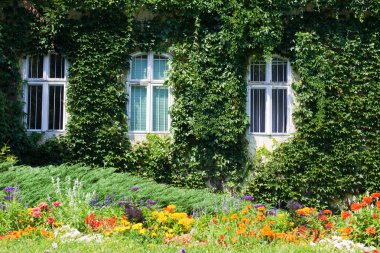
[(333, 46)]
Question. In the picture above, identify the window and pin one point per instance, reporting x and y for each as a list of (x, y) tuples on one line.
[(44, 92), (269, 96), (149, 98)]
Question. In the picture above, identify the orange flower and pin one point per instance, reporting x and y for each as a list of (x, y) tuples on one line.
[(345, 214), (244, 211), (367, 200), (221, 237), (241, 226), (323, 218), (224, 218), (370, 231), (267, 231), (356, 206), (378, 204), (248, 206), (234, 216), (261, 208), (244, 220), (375, 195), (329, 225), (234, 240), (327, 211)]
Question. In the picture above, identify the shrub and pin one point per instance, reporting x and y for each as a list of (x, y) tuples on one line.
[(151, 158)]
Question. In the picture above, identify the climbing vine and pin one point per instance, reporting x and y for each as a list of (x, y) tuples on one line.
[(333, 46)]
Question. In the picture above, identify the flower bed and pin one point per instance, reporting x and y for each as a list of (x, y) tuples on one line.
[(74, 218)]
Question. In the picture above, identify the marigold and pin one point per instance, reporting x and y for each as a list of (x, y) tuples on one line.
[(327, 211), (224, 218), (261, 208), (370, 231), (244, 211), (267, 231), (345, 214), (356, 206), (375, 195)]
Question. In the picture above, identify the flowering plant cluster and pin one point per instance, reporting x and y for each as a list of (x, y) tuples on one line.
[(356, 228)]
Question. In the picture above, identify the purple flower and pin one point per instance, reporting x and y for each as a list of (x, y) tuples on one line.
[(10, 197), (294, 205), (9, 189), (151, 202), (135, 188), (148, 206), (258, 205), (2, 207), (248, 198), (122, 203), (183, 251), (272, 212)]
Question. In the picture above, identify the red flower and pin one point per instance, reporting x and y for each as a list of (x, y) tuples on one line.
[(50, 220), (367, 200), (375, 195), (36, 214), (57, 203), (327, 211), (345, 214), (329, 225), (356, 206), (323, 218), (43, 205), (375, 251)]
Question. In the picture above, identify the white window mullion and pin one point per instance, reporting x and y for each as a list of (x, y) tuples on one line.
[(45, 106), (268, 110), (149, 106)]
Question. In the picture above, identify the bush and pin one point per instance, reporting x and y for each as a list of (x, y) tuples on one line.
[(151, 158), (44, 152)]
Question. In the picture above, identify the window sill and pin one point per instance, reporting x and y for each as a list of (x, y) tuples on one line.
[(269, 134)]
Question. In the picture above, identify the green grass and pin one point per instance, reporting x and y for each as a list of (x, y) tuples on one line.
[(127, 245), (36, 185)]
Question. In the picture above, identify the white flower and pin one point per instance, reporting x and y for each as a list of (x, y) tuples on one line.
[(54, 245)]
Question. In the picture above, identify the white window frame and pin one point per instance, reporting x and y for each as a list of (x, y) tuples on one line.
[(45, 82), (149, 83), (268, 85)]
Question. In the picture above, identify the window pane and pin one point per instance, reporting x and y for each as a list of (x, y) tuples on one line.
[(138, 108), (56, 107), (57, 66), (258, 71), (257, 110), (160, 108), (279, 110), (279, 70), (36, 66), (160, 67), (139, 67), (34, 106)]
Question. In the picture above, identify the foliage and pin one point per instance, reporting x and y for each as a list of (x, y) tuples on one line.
[(108, 184), (152, 159), (335, 151)]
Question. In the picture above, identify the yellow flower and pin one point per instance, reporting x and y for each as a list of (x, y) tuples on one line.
[(153, 234), (137, 226), (142, 231), (281, 216)]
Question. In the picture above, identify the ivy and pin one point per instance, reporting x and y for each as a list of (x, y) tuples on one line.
[(333, 45)]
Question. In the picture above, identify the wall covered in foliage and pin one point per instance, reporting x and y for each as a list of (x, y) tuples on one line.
[(333, 45)]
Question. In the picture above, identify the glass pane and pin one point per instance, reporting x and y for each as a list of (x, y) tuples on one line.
[(56, 107), (279, 110), (258, 69), (57, 66), (258, 110), (36, 66), (279, 70), (160, 67), (138, 108), (34, 106), (139, 67), (160, 108)]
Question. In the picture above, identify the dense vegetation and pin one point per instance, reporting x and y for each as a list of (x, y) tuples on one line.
[(333, 45)]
